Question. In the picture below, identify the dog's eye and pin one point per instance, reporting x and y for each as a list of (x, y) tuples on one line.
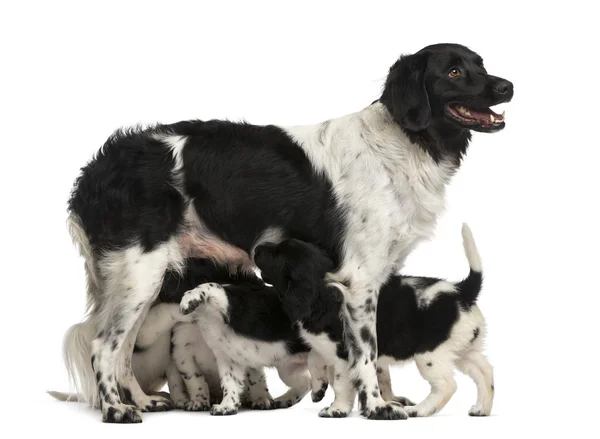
[(454, 73)]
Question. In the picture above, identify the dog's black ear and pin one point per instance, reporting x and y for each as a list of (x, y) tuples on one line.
[(269, 264), (405, 95)]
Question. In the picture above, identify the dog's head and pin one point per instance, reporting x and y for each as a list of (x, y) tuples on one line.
[(296, 269), (445, 87)]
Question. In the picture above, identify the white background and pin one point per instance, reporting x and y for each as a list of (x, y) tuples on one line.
[(72, 72)]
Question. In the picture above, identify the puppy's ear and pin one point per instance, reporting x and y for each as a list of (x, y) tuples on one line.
[(405, 95), (268, 263)]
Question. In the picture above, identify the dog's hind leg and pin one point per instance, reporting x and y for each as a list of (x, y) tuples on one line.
[(258, 396), (437, 368), (318, 376), (385, 386), (476, 366), (296, 376), (177, 389), (185, 341), (131, 281)]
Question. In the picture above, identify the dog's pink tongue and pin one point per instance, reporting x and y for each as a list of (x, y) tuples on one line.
[(484, 114)]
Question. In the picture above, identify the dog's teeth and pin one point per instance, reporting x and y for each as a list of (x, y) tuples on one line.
[(492, 118), (503, 114), (467, 112), (462, 109)]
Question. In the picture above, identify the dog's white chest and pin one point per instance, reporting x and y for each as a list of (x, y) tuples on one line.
[(391, 192)]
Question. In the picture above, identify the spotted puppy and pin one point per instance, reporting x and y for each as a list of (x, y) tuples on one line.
[(432, 321), (248, 330)]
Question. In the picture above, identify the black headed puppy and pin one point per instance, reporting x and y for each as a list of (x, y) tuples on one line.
[(435, 322)]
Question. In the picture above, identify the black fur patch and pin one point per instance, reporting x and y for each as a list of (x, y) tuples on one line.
[(475, 335)]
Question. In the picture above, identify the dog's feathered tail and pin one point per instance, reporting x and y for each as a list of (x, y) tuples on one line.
[(78, 338), (67, 397), (470, 287), (77, 357)]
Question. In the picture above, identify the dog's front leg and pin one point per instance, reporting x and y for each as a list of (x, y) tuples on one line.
[(359, 315)]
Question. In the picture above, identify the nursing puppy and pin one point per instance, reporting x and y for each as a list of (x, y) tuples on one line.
[(434, 322), (367, 187), (248, 329), (165, 341)]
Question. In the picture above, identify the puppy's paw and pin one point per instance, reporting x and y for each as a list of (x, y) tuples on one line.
[(390, 411), (196, 406), (319, 394), (263, 404), (478, 410), (332, 412), (191, 300), (283, 404), (223, 410), (419, 412), (403, 401), (158, 404), (180, 403)]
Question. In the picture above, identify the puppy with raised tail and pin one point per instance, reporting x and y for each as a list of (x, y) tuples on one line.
[(434, 322)]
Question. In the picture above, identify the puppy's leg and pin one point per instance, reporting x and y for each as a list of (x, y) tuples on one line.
[(318, 376), (258, 396), (475, 365), (232, 381), (345, 393), (177, 388), (359, 315), (158, 322), (437, 369), (385, 385), (295, 375), (132, 279), (183, 344)]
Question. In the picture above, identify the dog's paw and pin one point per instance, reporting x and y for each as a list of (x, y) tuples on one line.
[(319, 394), (196, 406), (191, 300), (222, 410), (403, 401), (180, 403), (121, 414), (477, 410), (332, 412), (284, 404), (263, 404), (419, 412), (390, 411), (158, 404)]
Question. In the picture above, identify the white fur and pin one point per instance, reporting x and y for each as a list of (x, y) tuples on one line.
[(426, 295), (471, 249)]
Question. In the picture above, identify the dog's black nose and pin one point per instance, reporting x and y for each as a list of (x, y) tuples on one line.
[(503, 87)]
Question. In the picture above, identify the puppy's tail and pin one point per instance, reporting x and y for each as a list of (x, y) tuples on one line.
[(470, 287), (77, 357)]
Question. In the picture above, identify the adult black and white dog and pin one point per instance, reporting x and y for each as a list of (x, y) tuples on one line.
[(367, 187), (432, 321)]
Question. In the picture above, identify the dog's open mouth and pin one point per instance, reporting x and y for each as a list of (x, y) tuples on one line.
[(481, 119)]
